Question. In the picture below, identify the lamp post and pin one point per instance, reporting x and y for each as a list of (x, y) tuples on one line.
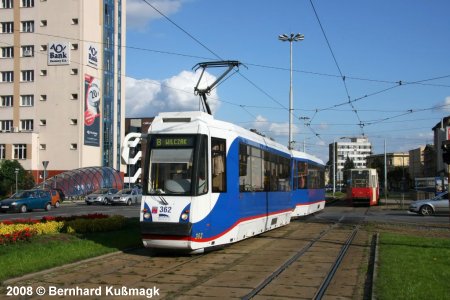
[(16, 170), (290, 38)]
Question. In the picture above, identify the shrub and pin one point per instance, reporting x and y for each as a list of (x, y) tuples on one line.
[(95, 224)]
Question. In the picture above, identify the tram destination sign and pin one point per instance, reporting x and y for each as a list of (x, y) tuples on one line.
[(173, 141)]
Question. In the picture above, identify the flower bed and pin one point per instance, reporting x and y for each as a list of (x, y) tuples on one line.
[(24, 229), (17, 236)]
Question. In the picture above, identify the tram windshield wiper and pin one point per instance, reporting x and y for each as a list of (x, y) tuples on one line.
[(164, 201)]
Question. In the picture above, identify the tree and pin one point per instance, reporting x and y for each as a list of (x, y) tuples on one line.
[(8, 177), (349, 164), (379, 165)]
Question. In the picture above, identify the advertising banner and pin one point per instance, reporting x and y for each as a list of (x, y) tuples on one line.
[(91, 111), (92, 55), (58, 53)]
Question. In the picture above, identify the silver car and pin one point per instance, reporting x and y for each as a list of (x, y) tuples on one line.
[(438, 204), (101, 196), (126, 196)]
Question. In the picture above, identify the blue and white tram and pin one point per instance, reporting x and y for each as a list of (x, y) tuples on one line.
[(308, 193), (209, 183)]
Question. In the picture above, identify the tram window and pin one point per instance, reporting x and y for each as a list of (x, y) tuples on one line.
[(266, 171), (284, 181), (171, 171), (257, 180), (262, 171), (274, 173), (202, 172), (218, 165), (244, 168), (302, 175)]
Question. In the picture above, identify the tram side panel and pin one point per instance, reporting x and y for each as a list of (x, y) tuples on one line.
[(308, 195)]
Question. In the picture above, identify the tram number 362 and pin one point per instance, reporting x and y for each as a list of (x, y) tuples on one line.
[(165, 209)]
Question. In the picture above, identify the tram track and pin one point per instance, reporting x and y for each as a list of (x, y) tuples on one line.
[(322, 288)]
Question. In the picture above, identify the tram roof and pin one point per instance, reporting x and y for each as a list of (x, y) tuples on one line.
[(210, 121)]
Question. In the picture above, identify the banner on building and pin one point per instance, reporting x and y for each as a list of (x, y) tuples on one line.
[(58, 53), (92, 55), (91, 111)]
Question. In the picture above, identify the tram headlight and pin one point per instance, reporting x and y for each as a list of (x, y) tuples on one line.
[(147, 215), (184, 216)]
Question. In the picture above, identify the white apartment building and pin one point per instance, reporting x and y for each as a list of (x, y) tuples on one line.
[(61, 83), (355, 148)]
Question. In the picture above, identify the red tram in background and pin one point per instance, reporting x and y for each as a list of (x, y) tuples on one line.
[(363, 186)]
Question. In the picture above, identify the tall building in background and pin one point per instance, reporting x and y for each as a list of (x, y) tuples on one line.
[(354, 148), (61, 83)]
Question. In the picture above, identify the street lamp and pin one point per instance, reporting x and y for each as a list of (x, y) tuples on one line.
[(290, 38), (16, 170)]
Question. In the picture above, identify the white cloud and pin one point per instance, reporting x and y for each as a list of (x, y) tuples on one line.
[(146, 97), (139, 13), (444, 105), (273, 129)]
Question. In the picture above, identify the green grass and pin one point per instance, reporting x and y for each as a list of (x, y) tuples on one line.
[(49, 251), (413, 267)]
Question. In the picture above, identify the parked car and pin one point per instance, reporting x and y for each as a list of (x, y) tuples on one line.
[(24, 201), (127, 196), (438, 204), (57, 196), (101, 196)]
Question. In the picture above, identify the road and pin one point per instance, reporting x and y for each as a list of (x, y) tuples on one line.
[(392, 212), (76, 208)]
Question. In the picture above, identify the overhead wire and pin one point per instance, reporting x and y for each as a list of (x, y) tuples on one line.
[(339, 69)]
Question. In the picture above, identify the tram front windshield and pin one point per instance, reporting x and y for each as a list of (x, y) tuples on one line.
[(171, 171), (360, 179)]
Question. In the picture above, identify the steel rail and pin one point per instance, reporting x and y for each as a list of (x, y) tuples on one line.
[(323, 287)]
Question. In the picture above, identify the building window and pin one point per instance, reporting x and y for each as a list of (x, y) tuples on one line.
[(74, 96), (7, 76), (74, 46), (27, 51), (43, 23), (2, 151), (74, 72), (20, 151), (27, 3), (43, 122), (7, 52), (6, 125), (73, 146), (27, 26), (43, 47), (26, 125), (7, 27), (7, 3), (42, 147), (73, 121), (27, 100), (6, 101), (27, 76), (43, 72), (43, 98), (75, 21)]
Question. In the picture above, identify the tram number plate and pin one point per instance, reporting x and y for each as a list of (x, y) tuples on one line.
[(165, 209)]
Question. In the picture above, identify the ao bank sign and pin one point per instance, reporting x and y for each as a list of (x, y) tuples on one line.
[(58, 53)]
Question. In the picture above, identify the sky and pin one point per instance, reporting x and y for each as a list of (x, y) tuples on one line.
[(379, 69)]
